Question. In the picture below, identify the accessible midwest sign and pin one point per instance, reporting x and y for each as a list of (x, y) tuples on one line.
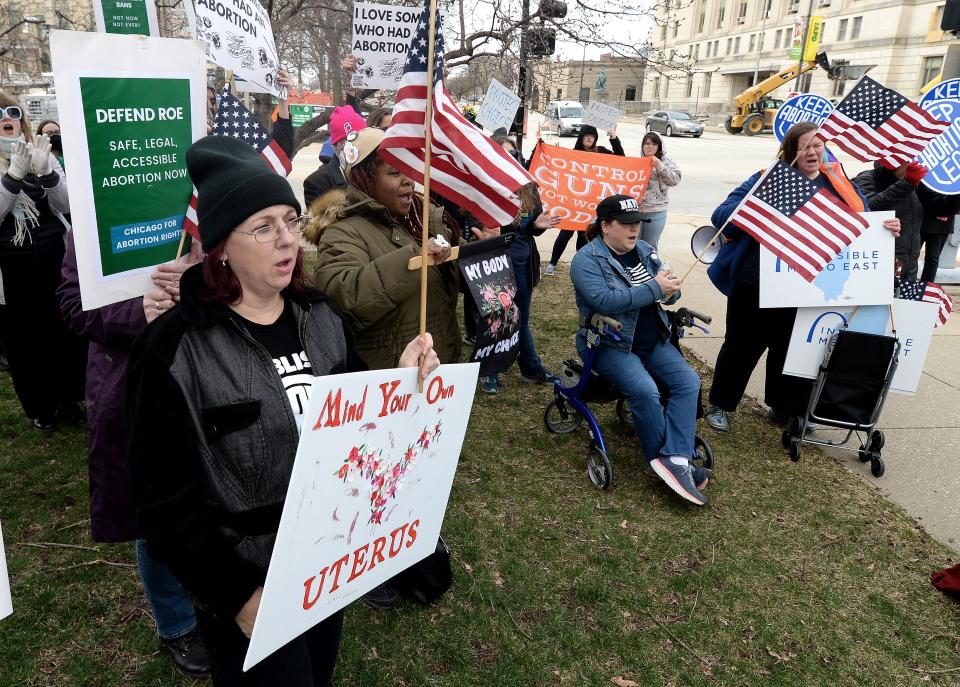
[(367, 494), (572, 182)]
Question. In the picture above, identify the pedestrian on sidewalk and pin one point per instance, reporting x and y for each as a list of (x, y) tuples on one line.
[(751, 330), (587, 142), (653, 204)]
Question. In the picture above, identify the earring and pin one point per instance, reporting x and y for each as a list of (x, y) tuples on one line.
[(223, 264)]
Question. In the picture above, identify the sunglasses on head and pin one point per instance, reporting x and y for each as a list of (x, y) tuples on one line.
[(12, 112)]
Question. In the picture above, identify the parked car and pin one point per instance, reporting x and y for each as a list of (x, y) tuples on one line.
[(566, 116), (674, 123)]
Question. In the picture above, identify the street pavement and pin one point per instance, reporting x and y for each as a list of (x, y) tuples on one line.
[(922, 431)]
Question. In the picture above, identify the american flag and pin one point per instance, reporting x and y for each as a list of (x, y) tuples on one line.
[(802, 224), (928, 292), (875, 123), (234, 120), (467, 167)]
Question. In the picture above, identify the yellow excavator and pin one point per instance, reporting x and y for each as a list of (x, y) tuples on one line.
[(755, 111)]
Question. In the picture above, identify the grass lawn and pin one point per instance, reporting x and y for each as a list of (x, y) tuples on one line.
[(795, 574)]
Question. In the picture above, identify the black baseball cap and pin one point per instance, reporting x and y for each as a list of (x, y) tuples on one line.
[(621, 208)]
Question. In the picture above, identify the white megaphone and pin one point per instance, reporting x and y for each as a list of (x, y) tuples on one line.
[(703, 244)]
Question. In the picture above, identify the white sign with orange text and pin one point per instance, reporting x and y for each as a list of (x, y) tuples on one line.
[(367, 494)]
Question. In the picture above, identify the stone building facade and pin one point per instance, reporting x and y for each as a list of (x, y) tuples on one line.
[(720, 47), (623, 81)]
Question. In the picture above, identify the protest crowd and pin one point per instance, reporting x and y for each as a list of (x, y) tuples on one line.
[(216, 343)]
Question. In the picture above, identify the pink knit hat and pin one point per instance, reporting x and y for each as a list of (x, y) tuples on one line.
[(343, 120)]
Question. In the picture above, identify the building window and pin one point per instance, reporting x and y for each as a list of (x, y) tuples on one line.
[(839, 87), (930, 68), (736, 45), (656, 88), (666, 87), (793, 6), (753, 42), (585, 94), (707, 78), (695, 54), (673, 53), (742, 12), (767, 7), (689, 85), (776, 39), (842, 30), (631, 93), (720, 16), (701, 20), (676, 27), (855, 31), (559, 93), (663, 32), (729, 46)]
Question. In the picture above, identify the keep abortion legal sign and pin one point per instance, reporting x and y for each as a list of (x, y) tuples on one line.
[(942, 155)]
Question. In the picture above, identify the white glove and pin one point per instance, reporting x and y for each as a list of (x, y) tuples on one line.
[(19, 160), (41, 155)]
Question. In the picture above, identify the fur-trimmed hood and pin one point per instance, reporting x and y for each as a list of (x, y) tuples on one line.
[(340, 203)]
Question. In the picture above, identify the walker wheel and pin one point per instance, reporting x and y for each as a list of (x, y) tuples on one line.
[(792, 430), (785, 439), (599, 468), (877, 440), (795, 451), (877, 468), (623, 412), (561, 418), (863, 454), (702, 453)]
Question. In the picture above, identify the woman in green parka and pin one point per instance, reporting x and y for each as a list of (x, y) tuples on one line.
[(365, 236)]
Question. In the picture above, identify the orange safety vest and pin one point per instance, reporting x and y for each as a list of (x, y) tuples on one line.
[(842, 185)]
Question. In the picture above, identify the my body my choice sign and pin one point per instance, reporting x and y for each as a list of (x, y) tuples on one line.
[(126, 133)]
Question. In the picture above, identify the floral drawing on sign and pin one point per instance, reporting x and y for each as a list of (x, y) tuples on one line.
[(498, 309), (383, 480)]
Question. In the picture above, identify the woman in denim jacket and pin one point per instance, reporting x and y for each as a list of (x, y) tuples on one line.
[(620, 276)]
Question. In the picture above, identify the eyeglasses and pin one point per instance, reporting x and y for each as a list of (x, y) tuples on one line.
[(269, 233), (12, 112)]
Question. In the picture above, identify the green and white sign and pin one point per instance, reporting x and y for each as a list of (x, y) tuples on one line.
[(301, 114), (126, 134), (136, 17), (138, 131)]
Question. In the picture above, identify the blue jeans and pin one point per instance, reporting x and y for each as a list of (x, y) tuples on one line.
[(171, 608), (664, 429), (528, 361), (651, 231)]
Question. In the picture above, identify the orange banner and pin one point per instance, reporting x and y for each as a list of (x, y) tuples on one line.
[(574, 181)]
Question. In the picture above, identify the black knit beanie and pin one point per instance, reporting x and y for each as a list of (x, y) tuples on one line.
[(233, 182)]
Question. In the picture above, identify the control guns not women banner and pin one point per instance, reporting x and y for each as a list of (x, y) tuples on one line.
[(367, 493), (488, 272), (130, 106), (574, 181)]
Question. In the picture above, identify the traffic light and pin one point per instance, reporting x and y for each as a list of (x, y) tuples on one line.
[(543, 40), (553, 9), (950, 21)]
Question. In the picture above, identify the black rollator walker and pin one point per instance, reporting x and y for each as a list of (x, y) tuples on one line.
[(849, 393), (579, 385)]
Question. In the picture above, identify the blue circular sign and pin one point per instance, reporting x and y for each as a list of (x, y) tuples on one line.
[(801, 108), (942, 155)]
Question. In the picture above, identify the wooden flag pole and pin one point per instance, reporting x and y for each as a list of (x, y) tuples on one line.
[(427, 154)]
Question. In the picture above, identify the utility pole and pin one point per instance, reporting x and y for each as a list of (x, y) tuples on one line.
[(522, 71), (583, 60), (803, 42), (763, 31)]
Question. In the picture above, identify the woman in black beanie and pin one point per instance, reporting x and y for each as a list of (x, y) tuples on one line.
[(214, 423), (586, 141)]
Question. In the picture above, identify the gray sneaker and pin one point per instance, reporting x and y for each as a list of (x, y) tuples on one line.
[(701, 477), (677, 473), (549, 270), (717, 419)]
